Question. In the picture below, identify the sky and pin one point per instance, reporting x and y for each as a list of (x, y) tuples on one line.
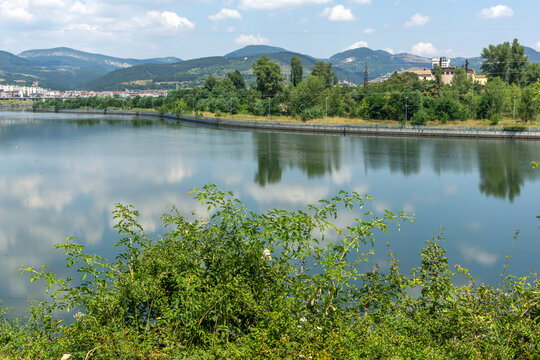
[(191, 29)]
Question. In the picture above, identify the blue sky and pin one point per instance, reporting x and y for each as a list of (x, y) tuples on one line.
[(196, 28)]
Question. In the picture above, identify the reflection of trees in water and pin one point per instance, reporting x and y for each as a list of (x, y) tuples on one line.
[(505, 165), (137, 122), (314, 155), (268, 158), (396, 154), (452, 155)]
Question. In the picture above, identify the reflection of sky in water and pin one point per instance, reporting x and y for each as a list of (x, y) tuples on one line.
[(60, 176)]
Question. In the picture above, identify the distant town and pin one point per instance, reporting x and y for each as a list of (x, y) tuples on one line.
[(36, 92)]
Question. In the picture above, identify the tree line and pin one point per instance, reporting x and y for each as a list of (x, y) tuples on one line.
[(512, 89)]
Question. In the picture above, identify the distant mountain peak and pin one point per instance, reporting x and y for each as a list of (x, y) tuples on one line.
[(255, 50)]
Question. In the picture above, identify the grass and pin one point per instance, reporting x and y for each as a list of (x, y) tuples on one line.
[(348, 121)]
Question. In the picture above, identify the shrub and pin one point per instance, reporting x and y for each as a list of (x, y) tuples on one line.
[(494, 119), (312, 113), (419, 118), (282, 284)]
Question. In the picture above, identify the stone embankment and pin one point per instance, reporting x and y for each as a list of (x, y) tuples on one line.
[(321, 127)]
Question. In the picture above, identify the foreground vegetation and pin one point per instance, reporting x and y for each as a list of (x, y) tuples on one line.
[(287, 285)]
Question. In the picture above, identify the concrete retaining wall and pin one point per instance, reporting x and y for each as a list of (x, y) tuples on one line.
[(311, 127)]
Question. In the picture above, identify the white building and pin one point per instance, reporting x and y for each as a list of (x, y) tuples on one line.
[(442, 62)]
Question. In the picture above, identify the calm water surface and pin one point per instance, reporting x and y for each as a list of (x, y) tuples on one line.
[(60, 176)]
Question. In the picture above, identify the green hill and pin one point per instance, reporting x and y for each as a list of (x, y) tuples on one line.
[(534, 56), (379, 62), (194, 72), (65, 68), (63, 57), (255, 50), (14, 69)]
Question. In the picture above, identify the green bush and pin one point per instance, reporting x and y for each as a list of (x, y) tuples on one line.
[(281, 284), (312, 113), (494, 119), (419, 118)]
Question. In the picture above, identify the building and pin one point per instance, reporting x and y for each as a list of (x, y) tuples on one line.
[(442, 62), (447, 72)]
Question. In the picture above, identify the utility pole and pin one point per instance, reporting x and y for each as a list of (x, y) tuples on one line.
[(514, 110), (326, 112), (406, 105), (366, 76), (269, 108)]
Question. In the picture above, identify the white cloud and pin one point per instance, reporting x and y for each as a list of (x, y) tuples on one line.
[(82, 27), (338, 13), (368, 31), (278, 4), (363, 2), (496, 12), (538, 45), (450, 189), (167, 19), (48, 3), (473, 253), (424, 49), (251, 40), (172, 21), (226, 14), (290, 194), (388, 50), (14, 10), (79, 8), (357, 45), (342, 176), (417, 20), (474, 226)]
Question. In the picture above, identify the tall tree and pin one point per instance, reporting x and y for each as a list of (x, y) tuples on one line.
[(531, 74), (461, 83), (210, 83), (297, 70), (324, 71), (505, 60), (268, 76), (237, 79)]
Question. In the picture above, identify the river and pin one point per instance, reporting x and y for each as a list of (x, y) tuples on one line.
[(61, 174)]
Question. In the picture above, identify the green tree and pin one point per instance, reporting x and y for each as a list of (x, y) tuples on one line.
[(461, 83), (494, 100), (307, 95), (505, 60), (268, 76), (297, 70), (531, 74), (527, 107), (210, 82), (237, 79), (324, 71)]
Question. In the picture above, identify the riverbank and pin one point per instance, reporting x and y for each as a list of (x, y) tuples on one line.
[(496, 132)]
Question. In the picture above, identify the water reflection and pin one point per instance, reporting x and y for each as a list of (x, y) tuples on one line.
[(503, 166), (315, 156), (396, 154), (61, 174)]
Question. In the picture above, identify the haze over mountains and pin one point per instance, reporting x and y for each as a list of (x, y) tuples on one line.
[(65, 68)]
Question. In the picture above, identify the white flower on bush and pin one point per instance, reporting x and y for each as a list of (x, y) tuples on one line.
[(267, 255), (78, 315)]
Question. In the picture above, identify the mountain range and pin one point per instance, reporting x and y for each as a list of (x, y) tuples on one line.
[(64, 68)]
